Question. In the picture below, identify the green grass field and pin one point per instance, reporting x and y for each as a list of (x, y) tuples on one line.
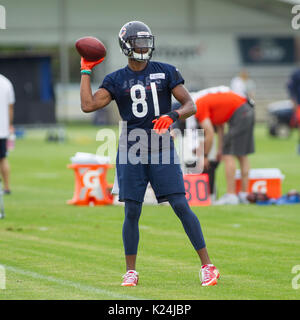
[(51, 250)]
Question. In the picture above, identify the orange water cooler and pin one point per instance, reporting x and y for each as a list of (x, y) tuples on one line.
[(268, 181), (91, 186)]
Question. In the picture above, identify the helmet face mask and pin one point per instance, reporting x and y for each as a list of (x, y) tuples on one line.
[(136, 41)]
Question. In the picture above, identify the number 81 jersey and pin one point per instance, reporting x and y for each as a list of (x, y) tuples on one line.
[(142, 96)]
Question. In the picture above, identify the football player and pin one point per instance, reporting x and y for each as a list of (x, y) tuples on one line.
[(216, 107), (142, 91)]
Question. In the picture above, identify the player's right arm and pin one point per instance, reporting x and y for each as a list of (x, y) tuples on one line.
[(91, 102)]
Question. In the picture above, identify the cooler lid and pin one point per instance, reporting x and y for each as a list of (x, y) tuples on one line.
[(89, 158), (264, 173)]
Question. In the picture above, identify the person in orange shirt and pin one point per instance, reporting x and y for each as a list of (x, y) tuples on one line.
[(216, 107)]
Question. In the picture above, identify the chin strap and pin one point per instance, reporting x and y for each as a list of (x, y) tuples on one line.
[(141, 56)]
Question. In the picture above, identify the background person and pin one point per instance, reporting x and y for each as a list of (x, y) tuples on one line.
[(243, 85), (213, 157), (7, 100), (191, 143), (216, 107), (293, 87)]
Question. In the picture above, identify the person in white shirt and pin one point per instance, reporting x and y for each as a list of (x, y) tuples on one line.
[(7, 100), (243, 85)]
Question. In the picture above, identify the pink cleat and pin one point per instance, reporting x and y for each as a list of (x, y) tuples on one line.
[(130, 279), (209, 275)]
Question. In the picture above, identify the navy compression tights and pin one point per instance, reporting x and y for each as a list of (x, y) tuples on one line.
[(180, 206)]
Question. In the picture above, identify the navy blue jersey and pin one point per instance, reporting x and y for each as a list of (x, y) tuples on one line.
[(144, 95), (294, 86)]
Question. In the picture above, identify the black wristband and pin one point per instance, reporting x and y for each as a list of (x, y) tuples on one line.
[(173, 115)]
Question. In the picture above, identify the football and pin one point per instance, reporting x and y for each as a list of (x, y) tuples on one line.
[(90, 48)]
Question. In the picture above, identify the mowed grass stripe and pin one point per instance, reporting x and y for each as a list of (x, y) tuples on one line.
[(67, 283), (46, 246), (235, 266)]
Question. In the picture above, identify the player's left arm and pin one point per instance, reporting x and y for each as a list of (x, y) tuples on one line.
[(188, 107)]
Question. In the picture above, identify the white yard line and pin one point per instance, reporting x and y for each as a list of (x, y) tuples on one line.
[(68, 283)]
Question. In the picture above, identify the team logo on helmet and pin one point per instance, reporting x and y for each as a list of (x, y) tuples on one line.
[(122, 32)]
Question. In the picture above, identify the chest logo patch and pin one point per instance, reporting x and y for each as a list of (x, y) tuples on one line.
[(154, 76)]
